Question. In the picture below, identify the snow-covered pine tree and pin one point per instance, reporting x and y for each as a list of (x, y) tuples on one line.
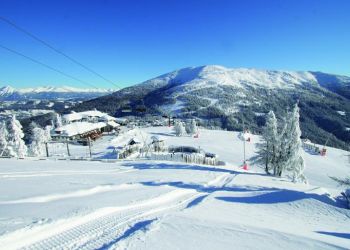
[(4, 146), (191, 127), (188, 127), (294, 160), (268, 149), (15, 138), (58, 122), (32, 126), (48, 130), (282, 146), (179, 128), (38, 139)]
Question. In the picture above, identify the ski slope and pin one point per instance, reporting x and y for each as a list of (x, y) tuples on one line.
[(142, 204)]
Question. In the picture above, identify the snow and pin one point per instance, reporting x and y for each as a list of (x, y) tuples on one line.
[(63, 89), (74, 116), (6, 90), (78, 128), (51, 92), (113, 124), (237, 77), (341, 112), (143, 204), (174, 108)]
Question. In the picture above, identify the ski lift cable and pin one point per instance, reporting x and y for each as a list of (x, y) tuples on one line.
[(46, 66), (56, 50)]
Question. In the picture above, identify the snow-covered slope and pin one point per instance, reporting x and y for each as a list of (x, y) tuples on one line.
[(237, 77), (140, 204), (50, 92)]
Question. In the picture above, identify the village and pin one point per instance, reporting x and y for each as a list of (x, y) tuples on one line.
[(97, 136)]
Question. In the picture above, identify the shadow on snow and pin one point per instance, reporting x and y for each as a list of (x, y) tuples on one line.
[(282, 196), (207, 189), (142, 225), (340, 235), (167, 166)]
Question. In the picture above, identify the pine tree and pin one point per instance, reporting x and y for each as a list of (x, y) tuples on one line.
[(58, 122), (179, 128), (289, 157), (32, 126), (294, 160), (15, 137), (188, 127), (191, 127), (282, 147), (268, 149), (48, 130), (38, 139), (4, 146)]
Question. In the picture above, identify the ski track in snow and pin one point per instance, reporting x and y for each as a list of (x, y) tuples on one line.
[(59, 173), (106, 226), (98, 228), (75, 194)]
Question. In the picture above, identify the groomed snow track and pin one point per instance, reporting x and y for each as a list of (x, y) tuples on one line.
[(98, 229)]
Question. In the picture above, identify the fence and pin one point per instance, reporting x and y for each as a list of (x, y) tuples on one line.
[(187, 158)]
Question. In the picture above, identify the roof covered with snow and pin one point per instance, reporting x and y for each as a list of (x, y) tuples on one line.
[(78, 128), (87, 114), (113, 124)]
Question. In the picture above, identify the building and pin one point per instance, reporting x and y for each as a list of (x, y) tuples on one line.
[(84, 125)]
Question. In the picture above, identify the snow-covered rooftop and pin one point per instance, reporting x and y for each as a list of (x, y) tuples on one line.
[(113, 124), (86, 114), (78, 128)]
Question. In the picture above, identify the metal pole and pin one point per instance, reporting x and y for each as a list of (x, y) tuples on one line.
[(89, 146), (243, 141), (47, 149), (244, 150), (67, 148)]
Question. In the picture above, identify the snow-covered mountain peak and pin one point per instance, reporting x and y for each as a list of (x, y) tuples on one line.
[(6, 90), (51, 92), (237, 77), (63, 89)]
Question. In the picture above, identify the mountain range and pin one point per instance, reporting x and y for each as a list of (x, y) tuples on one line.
[(228, 97), (8, 93)]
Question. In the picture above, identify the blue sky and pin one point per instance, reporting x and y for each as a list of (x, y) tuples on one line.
[(132, 41)]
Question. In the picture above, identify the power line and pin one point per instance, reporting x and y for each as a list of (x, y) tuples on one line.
[(46, 66), (56, 50)]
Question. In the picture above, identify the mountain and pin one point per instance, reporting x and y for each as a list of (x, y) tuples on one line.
[(227, 97), (7, 93)]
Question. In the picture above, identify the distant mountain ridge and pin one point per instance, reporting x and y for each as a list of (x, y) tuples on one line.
[(225, 97), (8, 93)]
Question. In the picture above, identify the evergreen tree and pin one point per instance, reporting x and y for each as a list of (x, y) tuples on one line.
[(179, 128), (38, 139), (268, 149), (32, 126), (282, 147), (294, 160), (48, 130), (191, 127), (4, 146), (58, 122), (15, 138)]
